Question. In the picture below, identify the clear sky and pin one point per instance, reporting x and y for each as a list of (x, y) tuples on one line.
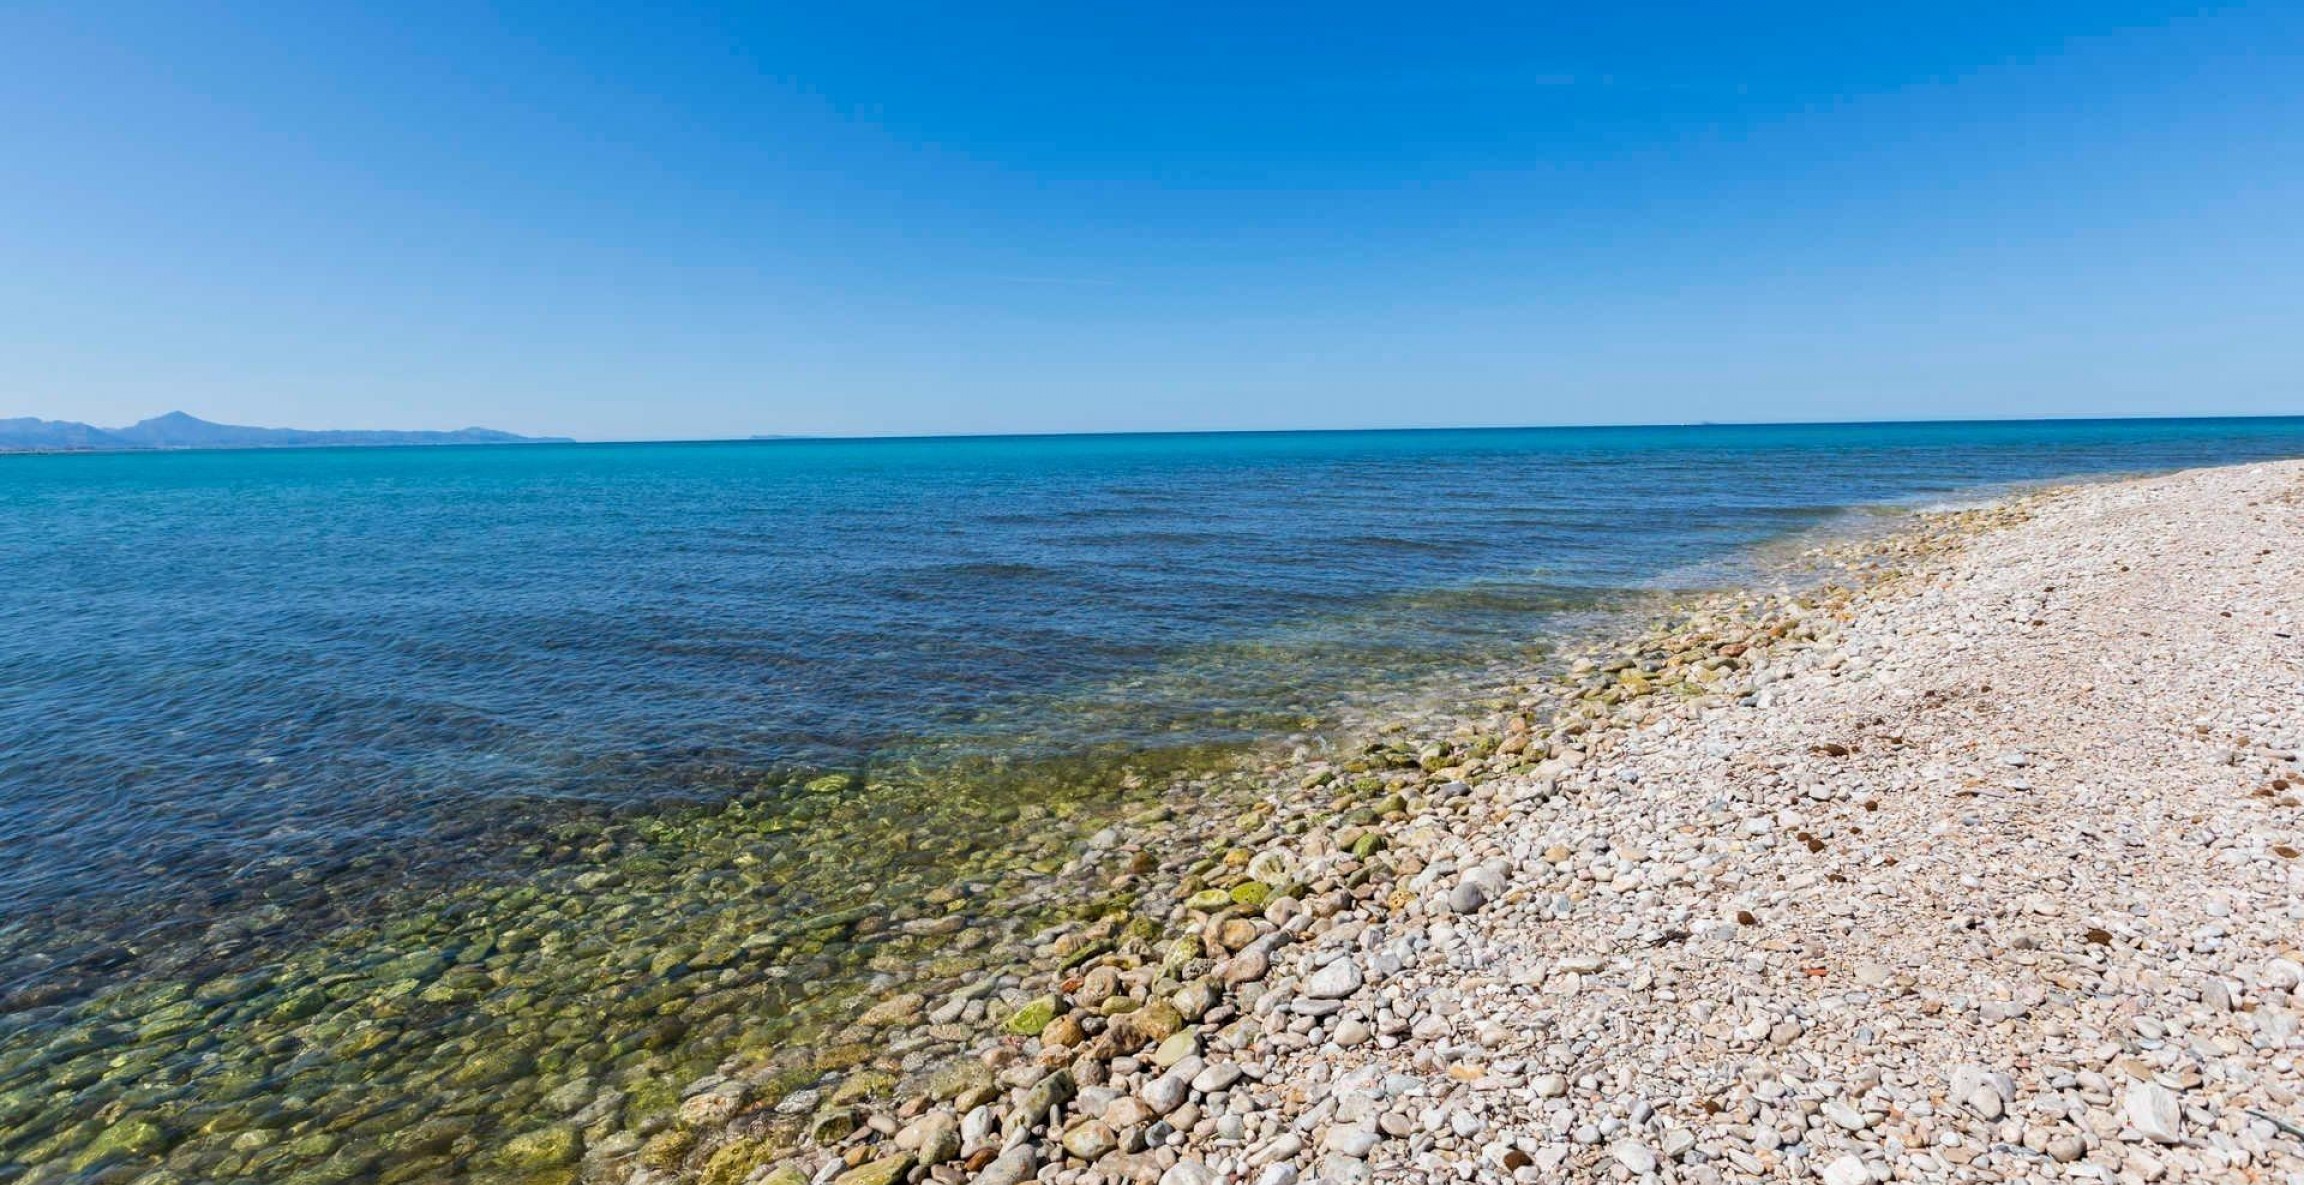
[(661, 221)]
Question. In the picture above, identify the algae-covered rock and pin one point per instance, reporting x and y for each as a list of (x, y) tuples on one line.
[(862, 1085), (841, 1057), (731, 1164), (233, 987), (888, 1170), (666, 1149), (1176, 1048), (1179, 954), (431, 1137), (1152, 1023), (1252, 894), (132, 1138), (832, 1126), (1045, 1096), (544, 1148), (314, 1145), (300, 1005), (1087, 952), (1033, 1016), (957, 1077), (490, 1067), (895, 1010)]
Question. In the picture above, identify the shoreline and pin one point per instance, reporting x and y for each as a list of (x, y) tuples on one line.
[(737, 1129), (1198, 920), (1394, 993)]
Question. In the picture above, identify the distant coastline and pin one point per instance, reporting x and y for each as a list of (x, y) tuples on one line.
[(177, 430)]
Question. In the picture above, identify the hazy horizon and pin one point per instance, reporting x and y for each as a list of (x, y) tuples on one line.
[(686, 224), (1596, 426)]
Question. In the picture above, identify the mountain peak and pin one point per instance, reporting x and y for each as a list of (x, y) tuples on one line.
[(178, 430)]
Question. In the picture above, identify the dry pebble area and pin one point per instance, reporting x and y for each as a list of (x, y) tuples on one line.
[(1985, 871)]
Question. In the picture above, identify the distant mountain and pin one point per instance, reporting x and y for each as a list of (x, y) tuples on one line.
[(177, 430)]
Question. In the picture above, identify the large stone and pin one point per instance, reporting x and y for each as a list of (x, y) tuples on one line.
[(1845, 1116), (714, 1107), (1156, 1021), (1252, 894), (2154, 1111), (1165, 1093), (957, 1077), (1967, 1079), (127, 1138), (1634, 1155), (1033, 1016), (544, 1148), (664, 1150), (1248, 966), (1335, 981), (1127, 1112), (1194, 999), (1848, 1170), (895, 1010), (888, 1170), (1188, 1172), (732, 1164), (933, 1138), (1100, 984), (1209, 900), (1090, 1139), (1045, 1096), (1219, 1076), (1013, 1167), (1176, 1048)]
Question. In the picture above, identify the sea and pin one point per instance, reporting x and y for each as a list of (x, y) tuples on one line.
[(255, 704)]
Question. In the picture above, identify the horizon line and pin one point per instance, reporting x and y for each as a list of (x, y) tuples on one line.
[(1125, 433)]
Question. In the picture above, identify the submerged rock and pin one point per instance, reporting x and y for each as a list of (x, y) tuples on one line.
[(1033, 1016)]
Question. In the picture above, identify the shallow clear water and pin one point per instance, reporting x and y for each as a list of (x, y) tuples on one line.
[(219, 668)]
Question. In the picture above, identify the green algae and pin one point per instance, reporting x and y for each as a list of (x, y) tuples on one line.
[(437, 1040)]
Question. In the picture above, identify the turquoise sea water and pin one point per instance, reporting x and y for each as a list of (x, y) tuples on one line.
[(227, 670)]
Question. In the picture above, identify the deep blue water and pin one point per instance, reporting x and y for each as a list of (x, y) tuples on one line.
[(221, 668)]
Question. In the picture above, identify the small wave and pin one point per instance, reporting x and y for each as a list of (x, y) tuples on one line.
[(987, 570), (1404, 543)]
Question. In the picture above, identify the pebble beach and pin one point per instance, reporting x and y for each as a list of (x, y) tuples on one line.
[(1977, 862)]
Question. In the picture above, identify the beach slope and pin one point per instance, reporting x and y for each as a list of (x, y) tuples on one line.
[(1986, 869), (1978, 861), (1999, 875)]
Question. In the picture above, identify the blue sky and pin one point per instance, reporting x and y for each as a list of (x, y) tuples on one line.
[(682, 222)]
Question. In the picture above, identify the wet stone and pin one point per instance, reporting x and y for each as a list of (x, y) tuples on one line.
[(888, 1170)]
